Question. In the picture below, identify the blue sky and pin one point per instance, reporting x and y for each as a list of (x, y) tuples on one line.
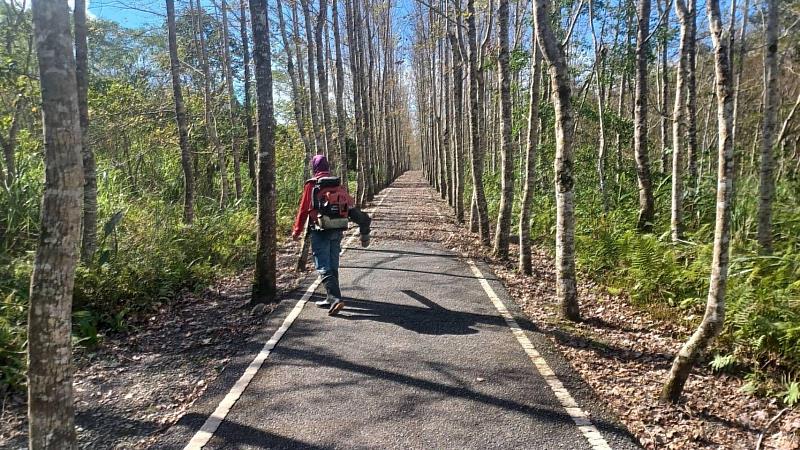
[(129, 13)]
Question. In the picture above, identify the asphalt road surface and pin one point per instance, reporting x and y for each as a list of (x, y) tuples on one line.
[(420, 358)]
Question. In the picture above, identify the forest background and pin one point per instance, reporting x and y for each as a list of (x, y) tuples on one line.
[(146, 255)]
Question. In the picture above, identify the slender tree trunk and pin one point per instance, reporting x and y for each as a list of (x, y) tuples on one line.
[(248, 102), (766, 190), (530, 161), (208, 105), (355, 71), (506, 150), (322, 75), (481, 208), (297, 95), (566, 285), (319, 142), (341, 118), (685, 15), (10, 144), (180, 117), (599, 51), (51, 414), (715, 307), (264, 286), (226, 61), (691, 98), (737, 80), (89, 238), (646, 200), (458, 113), (664, 122)]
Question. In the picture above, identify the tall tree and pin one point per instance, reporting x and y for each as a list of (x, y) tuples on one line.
[(180, 117), (458, 118), (766, 190), (506, 150), (297, 94), (89, 238), (226, 62), (664, 85), (208, 107), (646, 201), (322, 74), (686, 15), (480, 206), (51, 414), (248, 102), (530, 160), (714, 317), (319, 141), (600, 51), (264, 286), (566, 284), (341, 118)]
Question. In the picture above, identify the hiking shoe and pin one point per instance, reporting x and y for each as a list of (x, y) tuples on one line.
[(365, 240), (336, 307), (324, 303)]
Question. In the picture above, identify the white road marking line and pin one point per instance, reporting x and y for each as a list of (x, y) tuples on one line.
[(579, 416), (210, 426)]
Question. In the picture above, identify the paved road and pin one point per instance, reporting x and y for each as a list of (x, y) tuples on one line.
[(419, 358)]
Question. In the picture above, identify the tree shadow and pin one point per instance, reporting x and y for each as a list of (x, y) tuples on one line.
[(544, 413), (658, 359), (234, 435), (404, 252), (430, 318), (370, 269)]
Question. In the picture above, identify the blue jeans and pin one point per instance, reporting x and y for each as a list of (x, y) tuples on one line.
[(325, 246)]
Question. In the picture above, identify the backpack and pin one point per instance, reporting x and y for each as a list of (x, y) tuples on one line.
[(331, 203)]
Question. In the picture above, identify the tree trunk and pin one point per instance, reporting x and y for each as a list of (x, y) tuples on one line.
[(715, 307), (737, 80), (297, 94), (180, 117), (341, 118), (264, 286), (685, 15), (599, 51), (691, 98), (322, 75), (319, 143), (646, 201), (566, 284), (248, 102), (766, 190), (208, 113), (458, 113), (89, 235), (664, 122), (530, 162), (506, 150), (51, 414), (226, 61), (481, 208)]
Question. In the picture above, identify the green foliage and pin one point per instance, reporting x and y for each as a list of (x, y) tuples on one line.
[(761, 335), (722, 362), (791, 394)]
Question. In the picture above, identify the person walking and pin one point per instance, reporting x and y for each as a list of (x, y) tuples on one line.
[(325, 208)]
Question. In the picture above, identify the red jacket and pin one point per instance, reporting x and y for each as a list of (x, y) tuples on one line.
[(305, 205)]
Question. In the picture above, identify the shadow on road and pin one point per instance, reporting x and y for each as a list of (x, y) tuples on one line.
[(431, 318)]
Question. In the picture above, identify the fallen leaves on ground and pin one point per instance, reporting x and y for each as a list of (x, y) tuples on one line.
[(624, 354), (140, 383)]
